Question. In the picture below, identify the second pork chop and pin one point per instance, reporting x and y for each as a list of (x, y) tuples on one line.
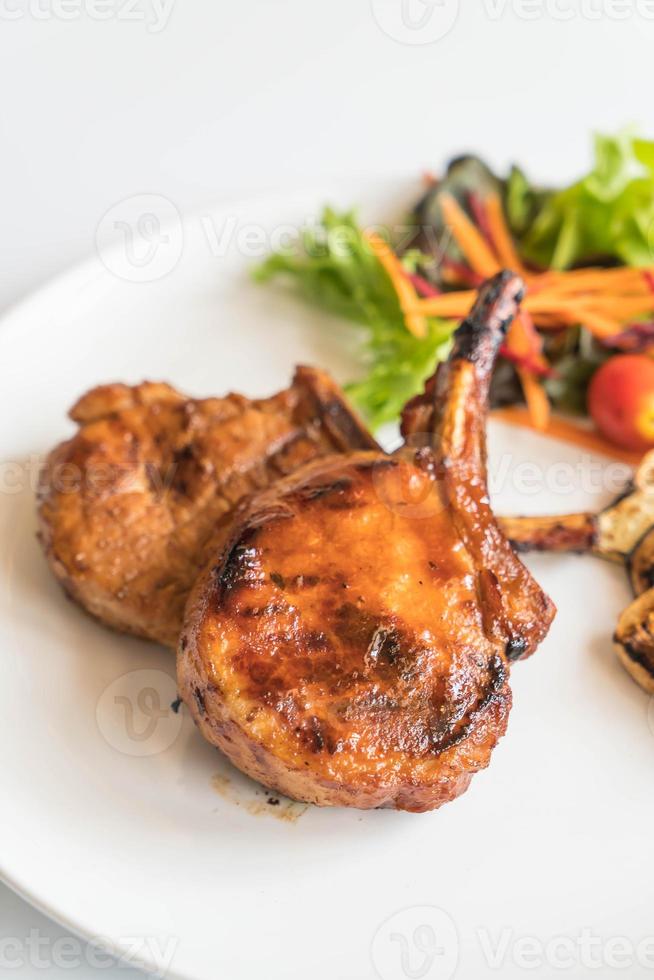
[(131, 507)]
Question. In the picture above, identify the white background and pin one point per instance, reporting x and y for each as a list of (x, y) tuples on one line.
[(267, 94)]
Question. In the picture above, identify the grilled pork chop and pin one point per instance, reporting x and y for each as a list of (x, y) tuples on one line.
[(350, 643), (131, 507)]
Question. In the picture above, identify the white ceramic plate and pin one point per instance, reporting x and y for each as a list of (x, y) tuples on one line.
[(124, 824)]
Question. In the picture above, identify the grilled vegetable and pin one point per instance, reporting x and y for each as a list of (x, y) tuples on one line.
[(612, 533), (640, 564), (623, 532), (634, 640)]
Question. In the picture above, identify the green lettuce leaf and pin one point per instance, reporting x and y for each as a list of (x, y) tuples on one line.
[(334, 268), (606, 217)]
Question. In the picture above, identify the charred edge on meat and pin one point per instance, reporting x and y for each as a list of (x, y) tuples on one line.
[(344, 427), (498, 677), (515, 648), (481, 333), (237, 559)]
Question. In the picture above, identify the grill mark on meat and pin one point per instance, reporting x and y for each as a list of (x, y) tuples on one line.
[(240, 565), (498, 676), (385, 651), (420, 737), (355, 625), (198, 695), (316, 492), (385, 645), (388, 654), (269, 609), (187, 470), (304, 582), (317, 736), (344, 427)]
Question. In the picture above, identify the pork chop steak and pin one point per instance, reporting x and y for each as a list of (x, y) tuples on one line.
[(350, 643), (131, 507)]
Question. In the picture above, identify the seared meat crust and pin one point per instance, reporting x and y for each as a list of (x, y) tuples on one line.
[(351, 642), (131, 507), (337, 652)]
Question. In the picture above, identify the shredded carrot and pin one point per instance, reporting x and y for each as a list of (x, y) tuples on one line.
[(564, 286), (602, 315), (602, 311), (502, 239), (406, 294), (538, 404), (621, 307), (453, 305), (478, 208), (599, 326), (572, 312), (604, 301), (416, 324), (523, 341), (468, 238), (560, 428), (592, 275)]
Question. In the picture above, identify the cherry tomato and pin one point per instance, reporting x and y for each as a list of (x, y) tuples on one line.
[(621, 401)]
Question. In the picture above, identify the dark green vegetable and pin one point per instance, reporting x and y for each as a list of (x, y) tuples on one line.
[(465, 178), (574, 365)]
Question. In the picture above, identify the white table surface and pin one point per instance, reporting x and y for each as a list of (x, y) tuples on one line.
[(198, 100)]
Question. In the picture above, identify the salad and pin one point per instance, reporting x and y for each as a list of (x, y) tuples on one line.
[(584, 340)]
